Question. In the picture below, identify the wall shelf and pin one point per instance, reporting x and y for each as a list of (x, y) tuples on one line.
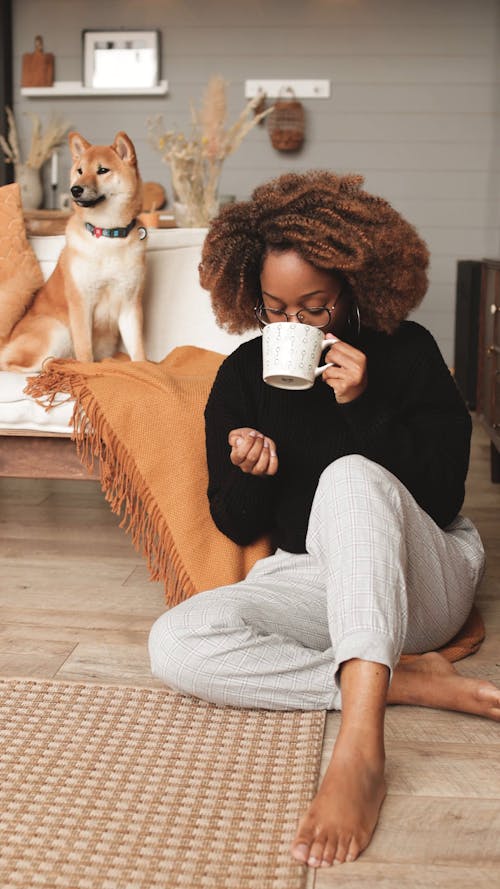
[(75, 88)]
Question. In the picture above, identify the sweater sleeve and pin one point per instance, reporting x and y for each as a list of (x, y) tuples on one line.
[(241, 505), (423, 435)]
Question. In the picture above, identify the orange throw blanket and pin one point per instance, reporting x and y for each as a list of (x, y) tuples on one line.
[(144, 423)]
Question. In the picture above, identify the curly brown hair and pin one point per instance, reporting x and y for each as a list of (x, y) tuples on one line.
[(332, 223)]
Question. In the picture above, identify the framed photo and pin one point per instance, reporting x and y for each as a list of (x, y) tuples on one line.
[(121, 59)]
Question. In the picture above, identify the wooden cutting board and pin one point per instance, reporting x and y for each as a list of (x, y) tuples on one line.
[(38, 66)]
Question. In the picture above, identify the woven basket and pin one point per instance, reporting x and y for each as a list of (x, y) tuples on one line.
[(286, 123)]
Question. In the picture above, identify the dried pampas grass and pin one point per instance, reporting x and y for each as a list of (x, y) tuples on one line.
[(42, 143), (196, 161), (10, 145)]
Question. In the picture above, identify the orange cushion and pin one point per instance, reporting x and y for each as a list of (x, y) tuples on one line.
[(467, 641), (20, 272)]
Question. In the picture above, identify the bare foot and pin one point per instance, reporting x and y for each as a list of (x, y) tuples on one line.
[(344, 813), (431, 681)]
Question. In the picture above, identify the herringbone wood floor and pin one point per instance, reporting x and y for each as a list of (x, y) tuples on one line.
[(76, 603)]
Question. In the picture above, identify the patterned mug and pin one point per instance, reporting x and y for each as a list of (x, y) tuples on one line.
[(291, 354)]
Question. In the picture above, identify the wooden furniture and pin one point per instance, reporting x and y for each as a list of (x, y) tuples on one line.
[(468, 298), (45, 222), (53, 222), (40, 455), (177, 312), (488, 389)]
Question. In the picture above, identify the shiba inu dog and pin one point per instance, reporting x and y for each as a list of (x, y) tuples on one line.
[(94, 294)]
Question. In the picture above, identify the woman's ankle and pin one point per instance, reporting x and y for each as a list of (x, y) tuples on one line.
[(367, 745)]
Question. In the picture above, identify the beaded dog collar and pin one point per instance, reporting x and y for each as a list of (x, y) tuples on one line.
[(115, 232)]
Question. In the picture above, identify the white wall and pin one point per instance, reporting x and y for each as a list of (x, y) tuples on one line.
[(414, 105)]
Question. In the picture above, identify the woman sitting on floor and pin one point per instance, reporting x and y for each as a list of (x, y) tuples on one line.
[(359, 480)]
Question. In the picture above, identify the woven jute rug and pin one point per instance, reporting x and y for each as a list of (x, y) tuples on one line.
[(105, 787)]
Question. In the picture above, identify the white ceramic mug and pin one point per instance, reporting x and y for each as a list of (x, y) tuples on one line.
[(291, 354)]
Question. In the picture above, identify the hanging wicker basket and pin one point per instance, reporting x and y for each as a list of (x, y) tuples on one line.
[(286, 122)]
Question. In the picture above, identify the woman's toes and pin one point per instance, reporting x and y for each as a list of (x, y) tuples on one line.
[(490, 693), (342, 848), (488, 698), (300, 851), (312, 861), (316, 853), (353, 850), (328, 854)]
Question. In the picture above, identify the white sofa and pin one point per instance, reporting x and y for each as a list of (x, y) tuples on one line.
[(177, 312)]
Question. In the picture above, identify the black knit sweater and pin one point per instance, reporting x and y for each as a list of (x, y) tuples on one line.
[(410, 419)]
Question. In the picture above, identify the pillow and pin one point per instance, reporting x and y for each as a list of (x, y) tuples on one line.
[(20, 272)]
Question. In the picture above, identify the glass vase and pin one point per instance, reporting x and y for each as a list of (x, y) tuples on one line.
[(194, 215), (195, 187), (30, 184)]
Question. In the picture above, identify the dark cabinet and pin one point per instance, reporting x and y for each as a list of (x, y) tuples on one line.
[(488, 369), (468, 299)]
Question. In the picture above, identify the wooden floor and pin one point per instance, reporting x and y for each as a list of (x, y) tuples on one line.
[(76, 603)]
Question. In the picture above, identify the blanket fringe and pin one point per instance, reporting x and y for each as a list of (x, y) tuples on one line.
[(124, 488)]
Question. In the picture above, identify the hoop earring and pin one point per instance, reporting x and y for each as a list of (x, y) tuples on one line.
[(354, 318)]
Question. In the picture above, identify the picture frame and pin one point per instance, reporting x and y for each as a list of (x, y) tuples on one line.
[(120, 59)]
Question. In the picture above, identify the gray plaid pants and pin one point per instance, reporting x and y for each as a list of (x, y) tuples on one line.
[(379, 579)]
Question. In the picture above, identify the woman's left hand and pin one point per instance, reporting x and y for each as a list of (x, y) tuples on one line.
[(349, 377)]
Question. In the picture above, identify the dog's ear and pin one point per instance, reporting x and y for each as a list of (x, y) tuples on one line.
[(124, 149), (77, 145)]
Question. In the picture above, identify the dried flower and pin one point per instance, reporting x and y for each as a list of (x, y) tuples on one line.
[(10, 145), (42, 143), (196, 161)]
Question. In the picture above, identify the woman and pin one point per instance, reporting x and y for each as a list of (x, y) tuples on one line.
[(359, 480)]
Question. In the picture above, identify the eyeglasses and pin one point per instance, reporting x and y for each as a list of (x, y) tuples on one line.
[(319, 316)]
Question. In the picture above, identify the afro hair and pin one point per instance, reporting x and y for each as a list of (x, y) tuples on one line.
[(331, 222)]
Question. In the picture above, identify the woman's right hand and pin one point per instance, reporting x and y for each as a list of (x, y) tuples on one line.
[(253, 452)]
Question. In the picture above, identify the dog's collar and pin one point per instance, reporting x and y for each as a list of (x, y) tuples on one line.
[(115, 232)]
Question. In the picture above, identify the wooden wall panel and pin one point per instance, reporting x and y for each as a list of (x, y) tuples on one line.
[(414, 103)]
